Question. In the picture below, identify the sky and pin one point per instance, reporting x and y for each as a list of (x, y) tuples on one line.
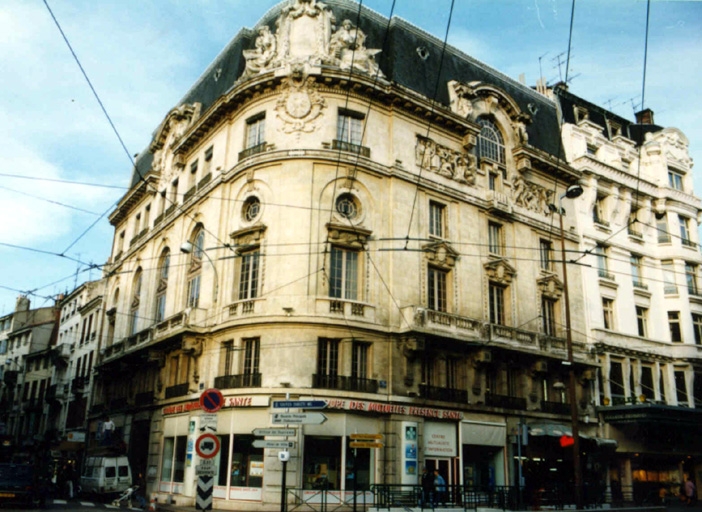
[(64, 166)]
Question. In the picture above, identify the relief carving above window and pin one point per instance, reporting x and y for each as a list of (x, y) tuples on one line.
[(248, 236), (447, 162), (441, 255), (168, 134), (348, 236), (499, 271), (550, 287)]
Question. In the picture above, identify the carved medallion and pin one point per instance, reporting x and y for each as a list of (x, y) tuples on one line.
[(299, 105)]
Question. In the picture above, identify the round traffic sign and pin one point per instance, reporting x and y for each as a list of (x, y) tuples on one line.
[(207, 446), (211, 400)]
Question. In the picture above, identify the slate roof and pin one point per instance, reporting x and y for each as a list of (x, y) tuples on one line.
[(400, 62)]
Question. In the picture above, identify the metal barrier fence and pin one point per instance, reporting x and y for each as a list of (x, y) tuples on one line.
[(455, 496)]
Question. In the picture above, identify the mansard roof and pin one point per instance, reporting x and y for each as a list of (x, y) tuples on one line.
[(400, 62)]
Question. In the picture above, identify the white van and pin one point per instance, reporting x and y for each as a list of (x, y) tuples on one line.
[(105, 475)]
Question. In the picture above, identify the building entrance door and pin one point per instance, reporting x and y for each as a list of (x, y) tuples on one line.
[(445, 467)]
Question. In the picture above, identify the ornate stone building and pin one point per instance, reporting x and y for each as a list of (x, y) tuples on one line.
[(317, 220)]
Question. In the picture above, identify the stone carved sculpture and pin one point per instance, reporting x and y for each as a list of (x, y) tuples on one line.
[(304, 37), (530, 196), (299, 104), (445, 161)]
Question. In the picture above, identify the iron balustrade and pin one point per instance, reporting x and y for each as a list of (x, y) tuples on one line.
[(555, 407), (505, 401), (253, 150), (242, 380), (177, 390), (443, 394), (341, 145), (342, 382)]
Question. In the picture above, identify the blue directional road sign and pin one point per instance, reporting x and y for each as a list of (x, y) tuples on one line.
[(299, 404)]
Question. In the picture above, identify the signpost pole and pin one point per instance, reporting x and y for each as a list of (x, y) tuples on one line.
[(282, 487), (355, 473)]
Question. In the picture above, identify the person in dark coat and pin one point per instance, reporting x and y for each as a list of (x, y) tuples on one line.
[(427, 487)]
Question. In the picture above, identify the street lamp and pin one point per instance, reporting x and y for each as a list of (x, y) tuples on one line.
[(187, 248), (571, 192)]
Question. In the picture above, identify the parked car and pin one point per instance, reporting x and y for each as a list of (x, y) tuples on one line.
[(21, 484), (106, 475)]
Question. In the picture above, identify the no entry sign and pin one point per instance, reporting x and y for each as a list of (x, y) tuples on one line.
[(211, 400)]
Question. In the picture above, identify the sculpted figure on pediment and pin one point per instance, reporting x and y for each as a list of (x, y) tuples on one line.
[(529, 195), (447, 162), (348, 50), (259, 58)]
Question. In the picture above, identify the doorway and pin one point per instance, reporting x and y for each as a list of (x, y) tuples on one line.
[(445, 467)]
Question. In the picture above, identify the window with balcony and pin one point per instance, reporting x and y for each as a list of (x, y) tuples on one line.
[(608, 312), (359, 360), (437, 219), (681, 388), (662, 229), (647, 383), (349, 132), (327, 363), (343, 273), (195, 268), (674, 326), (642, 320), (691, 278), (162, 285), (548, 316), (600, 252), (616, 382), (255, 136), (546, 255), (496, 304), (495, 239), (675, 180), (636, 277), (436, 289), (249, 274), (684, 223), (192, 180), (599, 212), (251, 373), (490, 142), (697, 327), (136, 301), (670, 286)]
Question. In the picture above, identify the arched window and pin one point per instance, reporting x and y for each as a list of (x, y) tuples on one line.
[(490, 142), (162, 285), (134, 305), (195, 267)]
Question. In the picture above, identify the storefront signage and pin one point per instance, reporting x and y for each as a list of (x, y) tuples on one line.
[(385, 408), (439, 439), (232, 401)]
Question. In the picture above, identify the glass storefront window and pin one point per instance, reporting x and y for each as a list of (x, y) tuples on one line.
[(246, 467), (363, 468), (322, 456), (173, 461)]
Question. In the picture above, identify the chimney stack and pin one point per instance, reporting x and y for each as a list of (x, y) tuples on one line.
[(644, 116)]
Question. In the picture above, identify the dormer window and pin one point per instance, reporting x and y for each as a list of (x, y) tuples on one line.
[(491, 145), (675, 180)]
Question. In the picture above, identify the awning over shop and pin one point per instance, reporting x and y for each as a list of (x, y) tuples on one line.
[(558, 430), (483, 433)]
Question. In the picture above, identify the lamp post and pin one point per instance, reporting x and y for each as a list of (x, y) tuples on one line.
[(571, 193), (187, 248)]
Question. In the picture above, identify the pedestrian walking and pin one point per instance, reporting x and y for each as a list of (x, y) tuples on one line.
[(439, 488), (690, 494), (427, 487)]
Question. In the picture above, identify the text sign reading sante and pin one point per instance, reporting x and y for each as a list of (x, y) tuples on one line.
[(299, 404), (308, 418)]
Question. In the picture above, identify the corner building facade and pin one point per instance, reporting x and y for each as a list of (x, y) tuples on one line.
[(309, 222)]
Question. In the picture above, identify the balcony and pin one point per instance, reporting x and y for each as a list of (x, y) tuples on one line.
[(688, 243), (245, 307), (204, 180), (340, 145), (345, 307), (243, 380), (640, 285), (177, 390), (603, 274), (421, 318), (344, 383), (503, 332), (555, 407), (443, 394), (505, 401), (253, 150), (190, 193)]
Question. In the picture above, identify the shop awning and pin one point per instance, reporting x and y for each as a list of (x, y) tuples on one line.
[(483, 433), (558, 430)]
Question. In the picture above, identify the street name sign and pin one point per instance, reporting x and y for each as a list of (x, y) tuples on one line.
[(282, 432), (365, 444), (299, 404), (281, 445), (307, 418)]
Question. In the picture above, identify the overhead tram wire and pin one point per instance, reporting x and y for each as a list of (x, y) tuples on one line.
[(433, 105)]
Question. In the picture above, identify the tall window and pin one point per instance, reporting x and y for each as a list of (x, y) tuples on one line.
[(248, 275), (173, 459), (616, 380), (436, 288), (684, 230), (674, 326), (662, 228), (661, 383), (162, 285), (681, 388), (195, 268), (642, 320), (343, 278), (349, 127), (437, 221), (328, 357), (548, 316), (359, 360), (134, 306), (697, 327), (675, 180), (602, 268), (495, 243), (490, 142), (256, 131), (250, 371), (608, 312), (647, 382), (598, 211), (546, 254), (636, 271), (207, 166), (496, 303), (691, 277), (669, 284)]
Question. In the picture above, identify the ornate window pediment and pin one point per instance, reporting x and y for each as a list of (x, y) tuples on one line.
[(248, 236), (499, 271), (348, 236), (440, 254), (550, 287)]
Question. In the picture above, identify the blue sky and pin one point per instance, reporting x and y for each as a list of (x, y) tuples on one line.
[(143, 55)]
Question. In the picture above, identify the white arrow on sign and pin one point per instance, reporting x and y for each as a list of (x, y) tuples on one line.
[(307, 418), (281, 445), (282, 432), (208, 422)]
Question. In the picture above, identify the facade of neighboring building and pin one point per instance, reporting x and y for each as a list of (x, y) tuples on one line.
[(310, 222), (639, 223)]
